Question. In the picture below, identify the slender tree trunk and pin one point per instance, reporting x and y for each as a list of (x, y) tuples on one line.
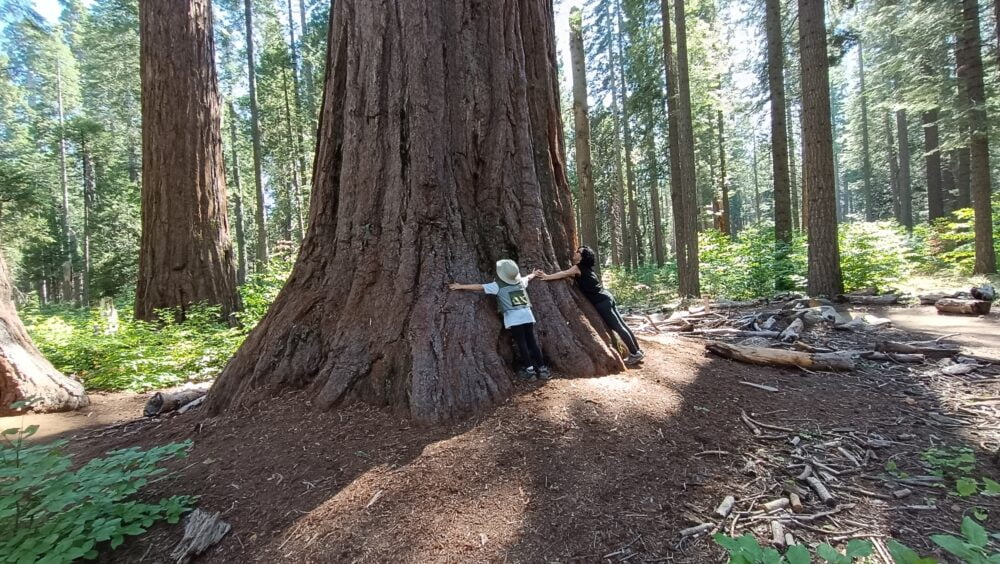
[(295, 196), (581, 121), (260, 217), (971, 63), (133, 161), (792, 177), (635, 240), (673, 148), (67, 234), (932, 165), (185, 253), (307, 68), (817, 158), (241, 239), (656, 229), (24, 372), (897, 210), (866, 160), (905, 187), (688, 281), (89, 201), (723, 180), (964, 177), (756, 184), (300, 158), (450, 173), (948, 181), (620, 210), (779, 136)]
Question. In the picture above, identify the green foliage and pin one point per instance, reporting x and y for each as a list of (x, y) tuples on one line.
[(750, 265), (260, 290), (139, 356), (950, 462), (52, 513), (971, 548), (873, 255), (645, 286), (746, 550), (949, 244)]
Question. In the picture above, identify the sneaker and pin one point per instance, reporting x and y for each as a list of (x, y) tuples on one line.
[(527, 374), (544, 373), (635, 358)]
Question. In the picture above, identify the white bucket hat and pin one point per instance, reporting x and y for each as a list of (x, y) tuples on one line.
[(508, 271)]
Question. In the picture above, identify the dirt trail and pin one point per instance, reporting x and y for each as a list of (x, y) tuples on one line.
[(980, 333)]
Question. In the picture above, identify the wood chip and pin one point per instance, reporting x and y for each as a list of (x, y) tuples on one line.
[(760, 386)]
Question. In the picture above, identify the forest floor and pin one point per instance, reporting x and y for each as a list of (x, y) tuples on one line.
[(603, 469)]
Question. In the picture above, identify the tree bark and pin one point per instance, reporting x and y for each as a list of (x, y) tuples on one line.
[(971, 64), (241, 238), (932, 165), (24, 372), (948, 181), (260, 217), (905, 186), (411, 195), (581, 121), (185, 253), (687, 243), (779, 135), (817, 159), (866, 160)]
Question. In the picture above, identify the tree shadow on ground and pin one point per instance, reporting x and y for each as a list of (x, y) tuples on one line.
[(585, 469)]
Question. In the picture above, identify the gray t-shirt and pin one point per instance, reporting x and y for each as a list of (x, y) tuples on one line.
[(513, 302)]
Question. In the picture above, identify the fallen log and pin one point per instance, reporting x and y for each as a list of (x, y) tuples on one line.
[(170, 400), (963, 307), (926, 350), (887, 299), (934, 297), (894, 357), (837, 361), (730, 332), (201, 532)]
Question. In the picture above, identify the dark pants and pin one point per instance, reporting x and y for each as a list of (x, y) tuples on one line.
[(609, 312), (524, 336)]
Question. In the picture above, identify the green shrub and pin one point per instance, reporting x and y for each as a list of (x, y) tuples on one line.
[(873, 254), (51, 513), (746, 550), (751, 265)]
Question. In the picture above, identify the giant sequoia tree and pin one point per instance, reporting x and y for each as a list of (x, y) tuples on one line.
[(24, 372), (186, 255), (440, 150)]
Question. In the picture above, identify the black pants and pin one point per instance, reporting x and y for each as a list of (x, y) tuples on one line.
[(524, 335), (609, 312)]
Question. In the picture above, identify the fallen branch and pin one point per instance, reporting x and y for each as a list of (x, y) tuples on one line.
[(167, 401), (894, 357), (821, 491), (760, 386), (201, 532), (839, 361), (911, 348)]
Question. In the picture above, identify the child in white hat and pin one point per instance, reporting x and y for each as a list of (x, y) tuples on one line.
[(510, 289)]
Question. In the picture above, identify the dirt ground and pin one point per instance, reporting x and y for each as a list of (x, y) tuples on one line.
[(577, 469)]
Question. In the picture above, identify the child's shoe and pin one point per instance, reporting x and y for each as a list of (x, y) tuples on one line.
[(544, 373), (634, 358), (527, 374)]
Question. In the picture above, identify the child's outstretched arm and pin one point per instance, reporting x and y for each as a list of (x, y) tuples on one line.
[(571, 271), (472, 287)]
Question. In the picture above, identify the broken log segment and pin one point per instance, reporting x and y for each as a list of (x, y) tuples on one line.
[(887, 299), (730, 332), (725, 507), (202, 530), (926, 350), (821, 491), (934, 297), (894, 357), (792, 332), (703, 528), (963, 307), (838, 361), (169, 400)]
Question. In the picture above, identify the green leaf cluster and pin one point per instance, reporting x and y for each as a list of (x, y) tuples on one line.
[(52, 513), (746, 550)]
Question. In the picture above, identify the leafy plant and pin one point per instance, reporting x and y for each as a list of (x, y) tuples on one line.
[(950, 462), (970, 548), (873, 254), (52, 513), (746, 550)]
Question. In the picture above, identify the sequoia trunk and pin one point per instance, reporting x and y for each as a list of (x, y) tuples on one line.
[(440, 151)]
